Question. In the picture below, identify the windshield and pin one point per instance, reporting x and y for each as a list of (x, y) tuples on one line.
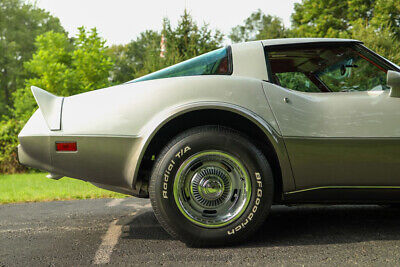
[(217, 62)]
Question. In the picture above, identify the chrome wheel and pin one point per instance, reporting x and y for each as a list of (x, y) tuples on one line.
[(212, 189)]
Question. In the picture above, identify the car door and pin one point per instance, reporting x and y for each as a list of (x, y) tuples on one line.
[(340, 125)]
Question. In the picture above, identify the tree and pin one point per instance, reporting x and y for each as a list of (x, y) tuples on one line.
[(258, 26), (64, 67), (129, 59), (335, 18), (20, 23), (142, 56), (375, 22), (90, 62), (387, 13), (328, 18), (383, 40), (186, 41)]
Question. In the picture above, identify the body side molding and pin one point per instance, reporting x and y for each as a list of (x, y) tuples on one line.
[(341, 187), (344, 195)]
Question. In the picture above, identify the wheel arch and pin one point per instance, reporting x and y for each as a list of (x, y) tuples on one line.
[(221, 114)]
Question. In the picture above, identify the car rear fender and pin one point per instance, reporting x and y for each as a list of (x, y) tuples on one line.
[(273, 136)]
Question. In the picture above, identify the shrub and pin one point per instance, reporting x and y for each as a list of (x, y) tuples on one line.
[(9, 130)]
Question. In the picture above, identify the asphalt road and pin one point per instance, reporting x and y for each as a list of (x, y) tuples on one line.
[(125, 232)]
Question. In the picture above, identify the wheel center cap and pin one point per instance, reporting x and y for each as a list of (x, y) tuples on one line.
[(211, 188)]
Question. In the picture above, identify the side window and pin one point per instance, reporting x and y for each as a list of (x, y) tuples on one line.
[(296, 81), (327, 68), (354, 73)]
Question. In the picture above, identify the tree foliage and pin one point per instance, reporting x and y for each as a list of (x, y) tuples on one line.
[(20, 23), (8, 146), (382, 41), (375, 22), (387, 14), (64, 67), (129, 59), (142, 56), (258, 26), (336, 18)]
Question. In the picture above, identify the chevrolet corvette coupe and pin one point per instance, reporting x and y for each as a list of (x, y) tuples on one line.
[(216, 140)]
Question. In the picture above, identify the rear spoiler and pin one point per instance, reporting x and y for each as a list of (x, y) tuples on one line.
[(50, 105)]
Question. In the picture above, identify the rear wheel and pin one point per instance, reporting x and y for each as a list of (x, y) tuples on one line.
[(211, 186)]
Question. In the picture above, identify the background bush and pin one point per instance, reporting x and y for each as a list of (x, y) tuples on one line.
[(9, 130)]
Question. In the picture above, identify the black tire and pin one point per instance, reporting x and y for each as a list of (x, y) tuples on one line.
[(395, 206), (207, 138)]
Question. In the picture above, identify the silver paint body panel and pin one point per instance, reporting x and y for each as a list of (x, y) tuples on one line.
[(50, 106), (336, 114), (343, 138), (114, 126), (291, 41)]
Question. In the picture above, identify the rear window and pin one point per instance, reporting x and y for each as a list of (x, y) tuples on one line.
[(217, 62)]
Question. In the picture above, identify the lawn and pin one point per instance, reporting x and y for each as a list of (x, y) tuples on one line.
[(36, 187)]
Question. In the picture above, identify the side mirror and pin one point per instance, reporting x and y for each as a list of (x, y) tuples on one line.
[(393, 81)]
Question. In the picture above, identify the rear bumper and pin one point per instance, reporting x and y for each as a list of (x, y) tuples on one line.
[(101, 159), (34, 139), (18, 151), (36, 154)]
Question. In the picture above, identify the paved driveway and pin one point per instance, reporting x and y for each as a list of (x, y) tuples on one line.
[(122, 232)]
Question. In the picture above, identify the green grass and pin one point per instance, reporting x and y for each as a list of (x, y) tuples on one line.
[(36, 187)]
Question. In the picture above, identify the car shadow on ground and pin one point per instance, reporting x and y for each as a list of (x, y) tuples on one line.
[(293, 226), (143, 225)]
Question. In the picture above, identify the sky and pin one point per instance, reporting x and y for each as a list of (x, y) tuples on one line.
[(120, 21)]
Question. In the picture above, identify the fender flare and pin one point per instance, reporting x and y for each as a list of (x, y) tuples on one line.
[(161, 119)]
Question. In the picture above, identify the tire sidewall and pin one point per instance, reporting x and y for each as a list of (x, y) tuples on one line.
[(251, 158)]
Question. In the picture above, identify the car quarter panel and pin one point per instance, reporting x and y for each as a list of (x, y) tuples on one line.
[(113, 125), (127, 109)]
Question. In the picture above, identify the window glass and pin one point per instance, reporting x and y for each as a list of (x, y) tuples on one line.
[(354, 72), (296, 81), (328, 69), (213, 63)]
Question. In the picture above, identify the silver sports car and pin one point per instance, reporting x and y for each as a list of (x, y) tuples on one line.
[(216, 140)]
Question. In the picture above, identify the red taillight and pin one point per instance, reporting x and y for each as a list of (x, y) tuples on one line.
[(66, 146)]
